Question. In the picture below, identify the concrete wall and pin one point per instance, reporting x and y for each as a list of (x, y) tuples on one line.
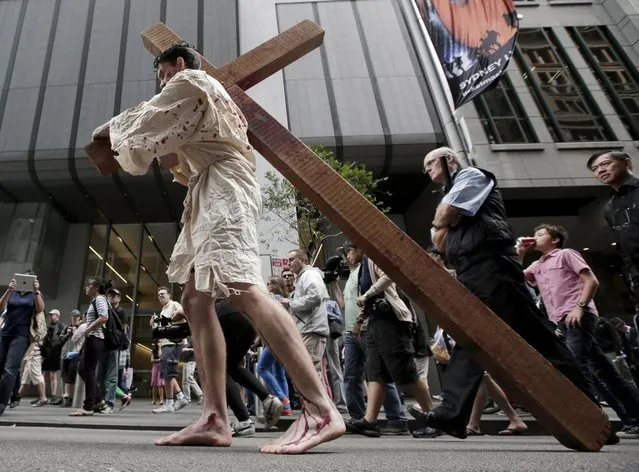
[(72, 270)]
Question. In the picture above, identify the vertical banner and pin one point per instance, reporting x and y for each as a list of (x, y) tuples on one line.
[(474, 41)]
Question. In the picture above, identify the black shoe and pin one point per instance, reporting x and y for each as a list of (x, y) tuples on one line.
[(426, 433), (33, 402), (55, 401), (362, 427), (15, 401), (612, 439), (431, 420), (66, 402)]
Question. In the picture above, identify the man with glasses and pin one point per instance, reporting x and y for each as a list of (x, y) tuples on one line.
[(289, 278), (614, 168), (471, 228)]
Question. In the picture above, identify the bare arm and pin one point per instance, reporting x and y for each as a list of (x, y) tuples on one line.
[(446, 216), (591, 285), (439, 239), (39, 303), (5, 297)]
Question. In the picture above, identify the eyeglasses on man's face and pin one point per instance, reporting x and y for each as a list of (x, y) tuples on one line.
[(287, 276)]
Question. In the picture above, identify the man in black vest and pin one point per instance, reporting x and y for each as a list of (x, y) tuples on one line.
[(471, 229)]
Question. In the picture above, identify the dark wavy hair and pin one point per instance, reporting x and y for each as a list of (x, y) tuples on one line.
[(184, 50), (102, 285)]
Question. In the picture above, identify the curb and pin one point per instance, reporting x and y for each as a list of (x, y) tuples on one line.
[(488, 427)]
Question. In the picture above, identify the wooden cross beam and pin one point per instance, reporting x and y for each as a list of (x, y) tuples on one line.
[(559, 406)]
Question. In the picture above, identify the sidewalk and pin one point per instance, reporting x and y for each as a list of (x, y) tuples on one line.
[(139, 417)]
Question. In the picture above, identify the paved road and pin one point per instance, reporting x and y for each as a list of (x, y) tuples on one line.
[(59, 449), (138, 416)]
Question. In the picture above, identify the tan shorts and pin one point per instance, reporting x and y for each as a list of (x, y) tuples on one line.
[(32, 372)]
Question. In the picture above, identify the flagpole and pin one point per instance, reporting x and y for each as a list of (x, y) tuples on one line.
[(457, 116)]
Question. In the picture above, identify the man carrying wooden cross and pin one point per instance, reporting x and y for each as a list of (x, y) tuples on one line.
[(194, 118)]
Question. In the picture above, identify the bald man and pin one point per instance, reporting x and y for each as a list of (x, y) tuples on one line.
[(471, 228)]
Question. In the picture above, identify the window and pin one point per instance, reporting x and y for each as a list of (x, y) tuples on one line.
[(562, 97), (157, 246), (502, 116), (617, 77)]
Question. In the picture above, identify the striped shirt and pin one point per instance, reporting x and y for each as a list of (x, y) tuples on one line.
[(102, 305)]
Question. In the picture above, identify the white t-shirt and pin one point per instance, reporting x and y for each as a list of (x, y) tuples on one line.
[(167, 312)]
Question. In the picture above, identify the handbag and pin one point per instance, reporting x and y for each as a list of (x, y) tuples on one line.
[(439, 348), (38, 328)]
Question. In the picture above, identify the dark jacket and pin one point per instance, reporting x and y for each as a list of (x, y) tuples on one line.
[(480, 237), (622, 215)]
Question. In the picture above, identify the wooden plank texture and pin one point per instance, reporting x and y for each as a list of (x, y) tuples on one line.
[(255, 65), (560, 407)]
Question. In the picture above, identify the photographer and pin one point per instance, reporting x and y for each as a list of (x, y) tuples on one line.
[(390, 355), (169, 351)]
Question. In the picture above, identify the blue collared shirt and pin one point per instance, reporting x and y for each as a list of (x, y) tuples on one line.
[(470, 190)]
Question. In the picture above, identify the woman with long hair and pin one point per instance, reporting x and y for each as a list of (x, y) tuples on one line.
[(97, 315), (268, 367)]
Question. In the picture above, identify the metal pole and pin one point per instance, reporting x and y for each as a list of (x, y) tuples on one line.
[(138, 268), (457, 116)]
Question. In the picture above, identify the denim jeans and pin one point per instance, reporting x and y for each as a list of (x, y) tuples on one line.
[(600, 371), (354, 362), (273, 374), (110, 376), (12, 350)]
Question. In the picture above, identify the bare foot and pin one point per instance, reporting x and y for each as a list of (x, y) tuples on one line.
[(312, 428), (207, 431)]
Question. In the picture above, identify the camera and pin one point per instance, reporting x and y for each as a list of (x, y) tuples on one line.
[(336, 268), (173, 332)]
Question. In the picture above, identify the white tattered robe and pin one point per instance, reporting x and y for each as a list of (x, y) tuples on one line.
[(195, 118)]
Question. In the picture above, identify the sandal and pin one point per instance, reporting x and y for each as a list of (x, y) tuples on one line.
[(473, 432), (513, 432), (81, 412)]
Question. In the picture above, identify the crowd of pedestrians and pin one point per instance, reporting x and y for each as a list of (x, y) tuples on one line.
[(368, 346)]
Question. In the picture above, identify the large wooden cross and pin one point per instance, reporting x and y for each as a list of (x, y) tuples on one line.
[(559, 406)]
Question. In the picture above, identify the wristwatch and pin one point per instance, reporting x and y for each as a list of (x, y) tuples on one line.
[(581, 304)]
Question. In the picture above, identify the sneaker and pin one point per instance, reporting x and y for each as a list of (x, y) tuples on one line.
[(179, 404), (427, 433), (287, 411), (67, 402), (242, 428), (272, 410), (164, 409), (126, 401), (362, 427), (55, 401), (15, 401), (97, 408), (40, 403), (33, 402), (629, 432), (106, 410), (393, 430)]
